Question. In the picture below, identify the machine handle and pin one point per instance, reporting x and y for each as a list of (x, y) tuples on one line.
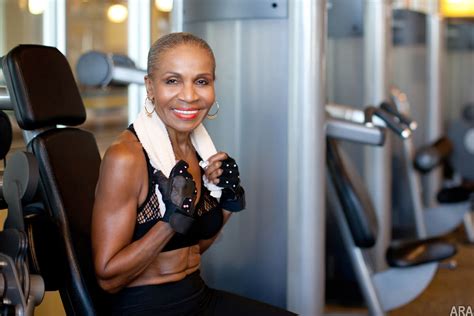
[(390, 108), (389, 120)]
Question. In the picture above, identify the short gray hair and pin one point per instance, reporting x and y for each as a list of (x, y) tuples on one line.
[(173, 40)]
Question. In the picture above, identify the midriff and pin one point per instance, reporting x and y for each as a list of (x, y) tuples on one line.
[(170, 266)]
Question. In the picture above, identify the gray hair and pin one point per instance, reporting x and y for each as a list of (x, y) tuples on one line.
[(173, 40)]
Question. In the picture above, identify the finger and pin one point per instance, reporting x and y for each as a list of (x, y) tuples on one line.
[(217, 157), (214, 176), (213, 167)]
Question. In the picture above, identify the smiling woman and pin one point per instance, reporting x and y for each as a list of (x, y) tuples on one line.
[(164, 193), (182, 87)]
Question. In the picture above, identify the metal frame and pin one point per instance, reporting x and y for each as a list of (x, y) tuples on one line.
[(435, 73), (5, 103), (54, 25), (2, 29), (139, 41), (377, 42), (306, 160), (435, 220), (177, 16), (385, 290)]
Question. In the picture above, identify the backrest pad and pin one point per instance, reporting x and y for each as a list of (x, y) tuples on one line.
[(42, 87), (352, 192)]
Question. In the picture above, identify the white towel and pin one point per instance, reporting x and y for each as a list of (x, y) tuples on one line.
[(153, 136)]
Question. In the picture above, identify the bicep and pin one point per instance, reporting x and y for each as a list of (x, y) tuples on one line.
[(114, 214)]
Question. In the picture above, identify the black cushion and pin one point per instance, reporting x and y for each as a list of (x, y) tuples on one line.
[(42, 87), (69, 162), (5, 134), (454, 194), (412, 253), (46, 253), (353, 195)]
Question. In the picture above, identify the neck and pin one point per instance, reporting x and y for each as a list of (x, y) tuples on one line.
[(181, 143)]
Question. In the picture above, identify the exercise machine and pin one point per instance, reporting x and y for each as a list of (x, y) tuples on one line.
[(47, 106), (411, 264), (20, 289)]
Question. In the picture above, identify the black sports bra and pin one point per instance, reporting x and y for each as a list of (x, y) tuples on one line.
[(207, 224)]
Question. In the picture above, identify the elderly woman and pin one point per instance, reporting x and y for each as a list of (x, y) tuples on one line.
[(164, 193)]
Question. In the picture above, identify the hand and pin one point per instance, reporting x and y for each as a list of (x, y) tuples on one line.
[(179, 194), (223, 171)]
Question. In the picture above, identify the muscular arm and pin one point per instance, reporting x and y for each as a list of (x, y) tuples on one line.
[(117, 259)]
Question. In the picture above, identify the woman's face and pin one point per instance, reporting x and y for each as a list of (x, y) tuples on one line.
[(182, 87)]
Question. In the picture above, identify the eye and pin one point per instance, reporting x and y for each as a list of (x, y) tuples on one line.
[(171, 81), (202, 82)]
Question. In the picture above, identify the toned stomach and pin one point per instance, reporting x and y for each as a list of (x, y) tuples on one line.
[(170, 266)]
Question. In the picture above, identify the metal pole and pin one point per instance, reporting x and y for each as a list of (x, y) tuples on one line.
[(377, 41), (436, 47), (3, 29), (2, 77), (54, 25), (139, 35), (5, 102), (306, 160), (177, 16)]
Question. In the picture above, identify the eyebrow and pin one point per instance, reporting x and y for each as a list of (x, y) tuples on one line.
[(205, 74)]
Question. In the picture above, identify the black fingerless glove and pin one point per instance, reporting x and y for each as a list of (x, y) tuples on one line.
[(233, 195), (178, 193)]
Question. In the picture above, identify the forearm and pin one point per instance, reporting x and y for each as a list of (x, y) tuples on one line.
[(131, 261), (206, 243)]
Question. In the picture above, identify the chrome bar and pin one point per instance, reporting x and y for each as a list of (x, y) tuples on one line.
[(306, 160), (414, 180), (348, 113), (139, 42), (2, 76), (377, 169), (5, 101), (177, 16), (128, 75), (436, 48), (349, 131)]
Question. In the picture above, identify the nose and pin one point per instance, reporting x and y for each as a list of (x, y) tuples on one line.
[(188, 93)]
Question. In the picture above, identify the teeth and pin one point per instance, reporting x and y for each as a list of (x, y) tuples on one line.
[(186, 112)]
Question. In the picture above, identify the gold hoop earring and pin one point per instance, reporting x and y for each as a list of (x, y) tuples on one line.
[(214, 115), (148, 100)]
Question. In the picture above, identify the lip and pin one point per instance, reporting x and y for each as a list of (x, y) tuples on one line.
[(186, 114)]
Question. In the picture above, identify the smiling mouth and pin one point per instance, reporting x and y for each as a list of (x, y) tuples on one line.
[(186, 114)]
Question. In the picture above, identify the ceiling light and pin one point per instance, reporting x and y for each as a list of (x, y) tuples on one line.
[(36, 6), (164, 5), (117, 13), (457, 8)]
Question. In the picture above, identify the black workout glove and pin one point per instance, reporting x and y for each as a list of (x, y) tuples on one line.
[(233, 195), (179, 194)]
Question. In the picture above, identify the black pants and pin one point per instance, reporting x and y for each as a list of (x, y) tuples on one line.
[(189, 296)]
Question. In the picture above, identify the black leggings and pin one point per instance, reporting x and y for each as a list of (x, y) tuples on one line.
[(189, 296)]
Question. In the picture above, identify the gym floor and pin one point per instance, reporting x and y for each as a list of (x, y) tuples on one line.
[(450, 293), (450, 288)]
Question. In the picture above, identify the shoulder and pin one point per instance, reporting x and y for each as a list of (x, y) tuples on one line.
[(123, 168), (124, 163), (125, 152)]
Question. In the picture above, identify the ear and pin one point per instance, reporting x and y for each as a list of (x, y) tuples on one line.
[(149, 87)]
